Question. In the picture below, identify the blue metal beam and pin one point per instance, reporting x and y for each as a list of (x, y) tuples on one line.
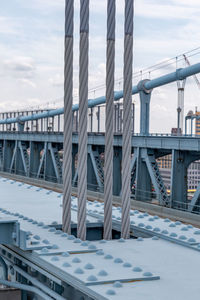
[(180, 74)]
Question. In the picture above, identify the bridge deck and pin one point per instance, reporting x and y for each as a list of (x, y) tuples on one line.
[(188, 143), (95, 267)]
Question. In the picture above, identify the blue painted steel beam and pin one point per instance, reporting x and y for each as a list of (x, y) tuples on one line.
[(180, 74)]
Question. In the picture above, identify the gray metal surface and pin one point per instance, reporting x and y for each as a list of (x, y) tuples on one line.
[(83, 106), (68, 99), (108, 166), (126, 138)]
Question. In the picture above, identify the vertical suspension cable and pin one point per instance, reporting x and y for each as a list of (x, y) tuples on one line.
[(83, 107), (126, 143), (68, 99), (108, 170)]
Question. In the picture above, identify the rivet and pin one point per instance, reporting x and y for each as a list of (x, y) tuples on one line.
[(136, 212), (79, 271), (40, 224), (108, 256), (141, 225), (102, 242), (54, 223), (190, 226), (110, 292), (102, 273), (155, 238), (173, 234), (34, 222), (66, 265), (197, 232), (71, 237), (151, 219), (30, 220), (54, 246), (132, 222), (182, 237), (89, 266), (139, 239), (45, 242), (137, 269), (191, 240), (100, 252), (65, 254), (141, 217), (64, 234), (36, 237), (118, 260), (172, 225), (147, 274), (58, 231), (52, 229), (127, 265), (156, 217), (148, 227), (76, 260), (92, 278), (44, 250), (84, 244), (92, 247), (117, 284), (184, 229), (164, 232), (131, 213), (122, 240), (156, 229), (167, 220), (77, 241), (145, 214), (55, 258), (178, 223)]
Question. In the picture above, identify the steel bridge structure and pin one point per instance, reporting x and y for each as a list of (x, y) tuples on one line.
[(58, 246), (39, 154)]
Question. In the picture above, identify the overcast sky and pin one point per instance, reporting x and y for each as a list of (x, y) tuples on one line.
[(31, 51)]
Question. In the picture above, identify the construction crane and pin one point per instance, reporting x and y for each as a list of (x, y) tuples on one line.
[(194, 76)]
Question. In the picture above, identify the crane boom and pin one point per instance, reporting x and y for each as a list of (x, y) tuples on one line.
[(194, 76)]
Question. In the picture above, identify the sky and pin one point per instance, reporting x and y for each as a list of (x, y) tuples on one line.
[(32, 52)]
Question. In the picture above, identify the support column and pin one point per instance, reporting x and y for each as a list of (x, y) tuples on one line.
[(49, 172), (127, 134), (34, 161), (108, 170), (143, 180), (7, 154), (83, 107), (68, 99), (179, 179), (180, 106), (145, 97), (117, 180)]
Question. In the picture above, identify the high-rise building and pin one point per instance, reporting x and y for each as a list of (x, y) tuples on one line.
[(197, 123)]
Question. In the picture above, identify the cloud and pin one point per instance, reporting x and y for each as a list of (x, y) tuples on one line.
[(21, 66), (57, 80), (27, 82)]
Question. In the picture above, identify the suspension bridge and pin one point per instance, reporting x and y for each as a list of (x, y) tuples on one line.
[(84, 211)]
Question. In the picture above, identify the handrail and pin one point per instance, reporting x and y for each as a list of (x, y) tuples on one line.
[(179, 74)]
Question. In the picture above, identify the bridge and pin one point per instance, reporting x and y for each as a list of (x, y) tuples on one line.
[(55, 245)]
